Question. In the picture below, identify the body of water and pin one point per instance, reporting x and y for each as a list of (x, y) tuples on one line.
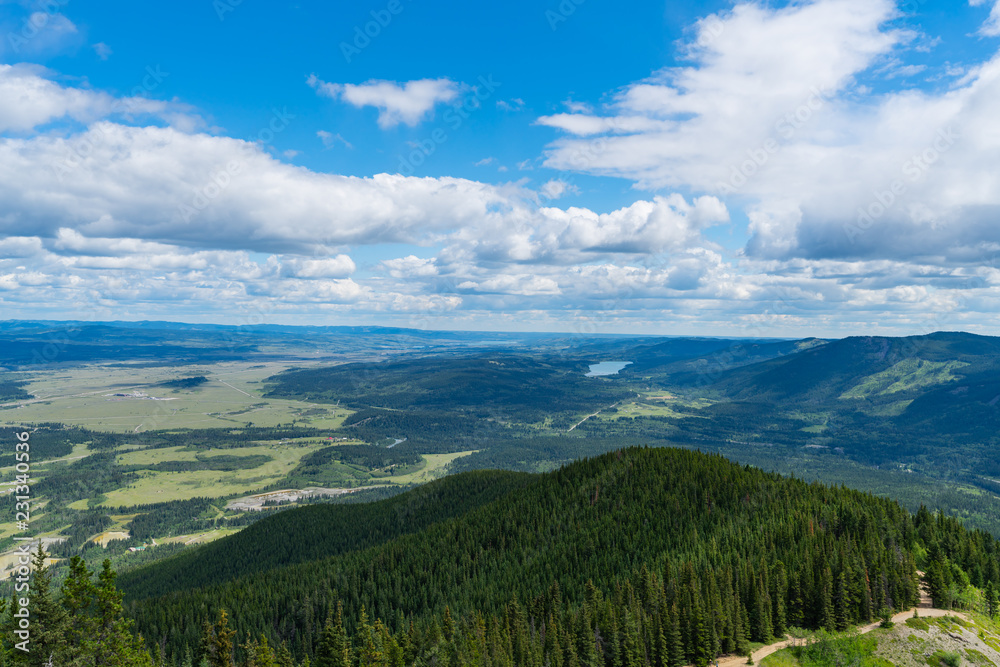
[(607, 368)]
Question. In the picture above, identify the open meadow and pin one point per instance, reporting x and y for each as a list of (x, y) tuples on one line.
[(120, 398)]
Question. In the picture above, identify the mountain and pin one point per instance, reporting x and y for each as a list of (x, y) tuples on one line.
[(880, 400), (527, 388), (320, 531), (613, 550), (867, 368)]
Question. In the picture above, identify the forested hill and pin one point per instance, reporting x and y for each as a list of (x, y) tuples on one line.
[(319, 531), (663, 551)]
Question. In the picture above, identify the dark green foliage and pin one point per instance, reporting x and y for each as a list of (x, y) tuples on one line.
[(87, 478), (85, 525), (12, 389), (346, 465), (309, 533), (539, 454), (491, 386), (81, 625), (48, 441), (653, 529), (856, 651), (185, 383), (224, 462), (162, 519)]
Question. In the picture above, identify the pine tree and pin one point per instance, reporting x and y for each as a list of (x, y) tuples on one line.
[(827, 618), (112, 631), (841, 603), (675, 644), (259, 653), (779, 591), (49, 621), (77, 596), (220, 642), (334, 648), (284, 657), (369, 649), (992, 600)]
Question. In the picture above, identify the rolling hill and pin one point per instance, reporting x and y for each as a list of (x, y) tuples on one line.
[(625, 547)]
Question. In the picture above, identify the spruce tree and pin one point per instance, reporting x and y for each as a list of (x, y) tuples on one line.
[(334, 649), (112, 631), (992, 601), (284, 657), (827, 618), (841, 603), (49, 621), (77, 596), (675, 643), (220, 652)]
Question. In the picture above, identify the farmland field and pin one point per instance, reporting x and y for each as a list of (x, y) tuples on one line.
[(231, 397)]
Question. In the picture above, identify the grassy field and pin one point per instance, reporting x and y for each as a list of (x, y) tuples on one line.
[(158, 486), (648, 408), (436, 466), (907, 374), (199, 538), (231, 397), (940, 641)]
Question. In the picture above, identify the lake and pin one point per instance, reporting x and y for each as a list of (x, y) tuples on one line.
[(607, 368)]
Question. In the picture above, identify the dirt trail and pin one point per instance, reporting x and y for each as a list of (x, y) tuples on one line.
[(589, 416), (925, 612)]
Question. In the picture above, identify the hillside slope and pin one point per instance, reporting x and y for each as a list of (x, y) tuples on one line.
[(741, 554), (320, 531)]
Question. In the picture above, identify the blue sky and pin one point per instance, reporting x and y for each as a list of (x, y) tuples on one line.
[(707, 168)]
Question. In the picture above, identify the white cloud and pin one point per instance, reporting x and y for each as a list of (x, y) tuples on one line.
[(515, 104), (769, 115), (169, 222), (556, 188), (38, 33), (340, 266), (102, 50), (20, 246), (406, 103), (991, 28), (410, 266), (682, 123), (29, 99), (330, 140), (515, 284)]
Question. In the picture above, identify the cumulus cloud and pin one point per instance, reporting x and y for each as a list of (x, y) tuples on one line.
[(991, 28), (768, 119), (340, 266), (769, 115), (29, 98), (406, 103)]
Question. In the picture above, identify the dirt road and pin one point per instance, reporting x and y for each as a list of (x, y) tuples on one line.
[(760, 654)]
